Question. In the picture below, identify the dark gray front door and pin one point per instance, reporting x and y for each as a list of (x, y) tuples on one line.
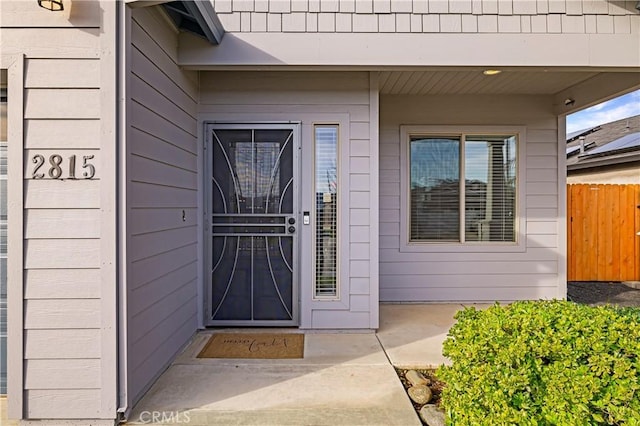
[(253, 224)]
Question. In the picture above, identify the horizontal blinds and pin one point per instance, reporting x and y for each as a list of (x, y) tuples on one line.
[(488, 208), (326, 221), (435, 189), (490, 196)]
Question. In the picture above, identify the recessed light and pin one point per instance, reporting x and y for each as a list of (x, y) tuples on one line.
[(491, 72)]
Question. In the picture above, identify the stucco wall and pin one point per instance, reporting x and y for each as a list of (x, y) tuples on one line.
[(487, 273), (624, 173)]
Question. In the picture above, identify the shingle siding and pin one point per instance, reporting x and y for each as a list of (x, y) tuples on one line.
[(429, 16)]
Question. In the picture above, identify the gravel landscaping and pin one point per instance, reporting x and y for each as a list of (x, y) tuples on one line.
[(601, 293), (423, 390)]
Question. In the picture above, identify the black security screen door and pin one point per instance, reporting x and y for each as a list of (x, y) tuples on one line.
[(253, 225)]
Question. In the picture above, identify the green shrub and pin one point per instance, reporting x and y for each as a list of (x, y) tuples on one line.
[(543, 363)]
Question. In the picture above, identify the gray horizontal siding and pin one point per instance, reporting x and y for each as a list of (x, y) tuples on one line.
[(62, 258), (161, 184), (64, 329), (529, 273), (311, 97)]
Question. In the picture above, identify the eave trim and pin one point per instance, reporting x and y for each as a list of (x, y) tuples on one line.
[(206, 17)]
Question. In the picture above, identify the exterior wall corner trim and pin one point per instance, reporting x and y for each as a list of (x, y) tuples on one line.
[(15, 275)]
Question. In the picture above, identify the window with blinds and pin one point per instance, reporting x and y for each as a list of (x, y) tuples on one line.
[(326, 209), (435, 189), (462, 188)]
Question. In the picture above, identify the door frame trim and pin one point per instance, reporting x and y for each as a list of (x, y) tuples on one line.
[(296, 128)]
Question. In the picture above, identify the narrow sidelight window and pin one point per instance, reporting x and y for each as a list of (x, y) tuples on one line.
[(326, 209), (3, 231)]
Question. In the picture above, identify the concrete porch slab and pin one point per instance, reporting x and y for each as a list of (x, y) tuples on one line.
[(344, 379), (279, 394), (319, 349), (412, 334)]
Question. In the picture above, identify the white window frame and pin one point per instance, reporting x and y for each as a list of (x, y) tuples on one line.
[(339, 194), (406, 245)]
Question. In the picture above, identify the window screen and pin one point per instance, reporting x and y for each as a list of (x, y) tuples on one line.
[(326, 221), (435, 189), (482, 168), (490, 195)]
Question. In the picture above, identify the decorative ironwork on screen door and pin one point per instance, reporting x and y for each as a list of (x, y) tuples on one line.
[(253, 224)]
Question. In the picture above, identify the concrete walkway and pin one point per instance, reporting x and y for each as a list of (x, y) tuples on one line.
[(344, 378)]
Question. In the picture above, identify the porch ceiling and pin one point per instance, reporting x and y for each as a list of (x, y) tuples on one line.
[(509, 81), (571, 89)]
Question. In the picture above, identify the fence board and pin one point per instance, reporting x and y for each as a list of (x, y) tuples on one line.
[(602, 242), (599, 244), (636, 241), (626, 245), (613, 258)]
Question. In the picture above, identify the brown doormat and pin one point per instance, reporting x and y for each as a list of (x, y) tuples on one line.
[(254, 345)]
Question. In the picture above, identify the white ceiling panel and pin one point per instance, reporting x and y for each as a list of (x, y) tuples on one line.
[(437, 82)]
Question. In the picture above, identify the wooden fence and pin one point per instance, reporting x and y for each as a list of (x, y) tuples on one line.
[(602, 224)]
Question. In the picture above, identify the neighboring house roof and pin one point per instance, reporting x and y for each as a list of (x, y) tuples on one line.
[(575, 135), (613, 143)]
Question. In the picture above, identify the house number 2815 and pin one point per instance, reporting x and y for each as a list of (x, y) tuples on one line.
[(58, 167)]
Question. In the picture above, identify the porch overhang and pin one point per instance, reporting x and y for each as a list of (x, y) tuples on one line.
[(575, 70), (418, 50), (194, 17)]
